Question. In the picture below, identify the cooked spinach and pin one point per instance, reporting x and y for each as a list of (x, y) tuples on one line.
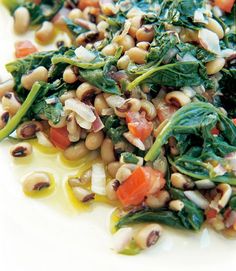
[(114, 128), (74, 28), (232, 203)]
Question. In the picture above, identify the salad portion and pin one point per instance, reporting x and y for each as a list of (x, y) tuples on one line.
[(147, 87)]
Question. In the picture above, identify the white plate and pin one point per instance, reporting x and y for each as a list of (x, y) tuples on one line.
[(49, 234)]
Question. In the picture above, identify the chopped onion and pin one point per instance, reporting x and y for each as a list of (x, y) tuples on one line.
[(107, 112), (188, 91), (231, 159), (197, 198), (82, 109), (188, 57), (122, 238), (98, 180), (97, 125), (205, 184), (43, 140), (199, 17), (125, 31), (219, 170), (209, 41), (134, 141), (115, 101), (226, 53), (84, 55), (83, 123)]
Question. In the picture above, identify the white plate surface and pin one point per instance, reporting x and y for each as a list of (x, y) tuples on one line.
[(49, 234)]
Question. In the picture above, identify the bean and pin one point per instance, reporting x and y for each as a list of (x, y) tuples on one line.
[(21, 20), (215, 27), (123, 173), (67, 95), (38, 74), (94, 140), (181, 181), (123, 62), (111, 188), (137, 55), (100, 104), (127, 42), (4, 117), (135, 25), (215, 66), (75, 13), (143, 45), (21, 149), (6, 86), (83, 194), (86, 91), (10, 103), (158, 200), (109, 50), (62, 123), (107, 151), (145, 33), (29, 129), (176, 205), (177, 98), (45, 32), (73, 129), (149, 108), (112, 168), (69, 75), (148, 235), (35, 182), (76, 151)]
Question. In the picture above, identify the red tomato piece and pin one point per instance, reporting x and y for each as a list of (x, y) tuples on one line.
[(138, 125), (211, 213), (88, 3), (234, 121), (215, 131), (24, 48), (59, 137), (225, 5)]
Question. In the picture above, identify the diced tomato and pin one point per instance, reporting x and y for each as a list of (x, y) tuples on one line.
[(138, 125), (165, 111), (88, 3), (211, 213), (59, 137), (37, 2), (142, 182), (24, 48), (215, 131), (234, 121), (225, 5)]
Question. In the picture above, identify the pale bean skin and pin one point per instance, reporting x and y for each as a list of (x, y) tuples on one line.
[(137, 55), (6, 86), (21, 149), (107, 151), (76, 151), (4, 117), (215, 66), (75, 13), (215, 27), (67, 95), (94, 140), (62, 123), (176, 205), (85, 90), (38, 74), (123, 62), (135, 25), (111, 189), (127, 42), (10, 103), (143, 45), (112, 168), (28, 129), (21, 20), (45, 33), (109, 50), (69, 76), (149, 108), (100, 104), (36, 181), (177, 98)]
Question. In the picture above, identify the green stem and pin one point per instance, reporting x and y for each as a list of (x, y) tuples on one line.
[(14, 121)]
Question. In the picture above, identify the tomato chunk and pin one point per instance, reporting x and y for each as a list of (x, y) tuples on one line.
[(225, 5), (88, 3), (138, 125), (215, 131), (59, 137), (24, 48), (142, 182), (210, 213), (234, 121)]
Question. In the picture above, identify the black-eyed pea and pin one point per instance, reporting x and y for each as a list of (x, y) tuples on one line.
[(67, 95), (94, 140), (181, 181), (21, 20), (111, 188), (76, 151), (148, 235), (158, 200), (177, 98), (4, 117), (107, 151), (100, 104), (22, 149), (176, 205), (123, 62), (137, 55), (10, 103), (135, 25), (215, 66), (86, 91), (149, 108), (45, 33), (145, 33), (123, 173), (6, 86), (143, 45), (35, 182), (127, 42), (29, 129), (83, 194), (69, 75), (214, 26), (38, 74), (112, 168), (75, 13), (110, 49), (62, 123)]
